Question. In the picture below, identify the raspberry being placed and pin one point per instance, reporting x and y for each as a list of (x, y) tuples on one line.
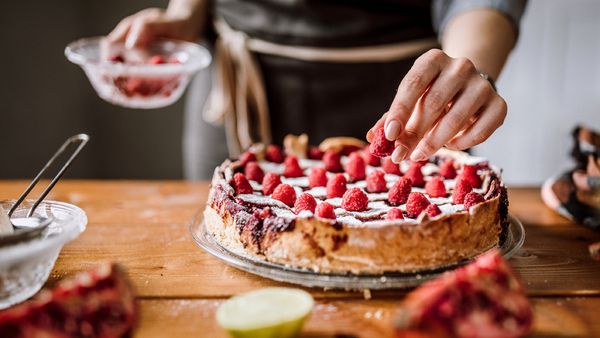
[(332, 161), (317, 177), (381, 146), (371, 159), (472, 199), (394, 213), (462, 188), (325, 210), (247, 157), (254, 172), (336, 186), (274, 153), (433, 210), (376, 181), (415, 174), (285, 193), (447, 170), (416, 204), (305, 201), (399, 192), (241, 184), (292, 167), (435, 187), (469, 173), (355, 167), (269, 183), (314, 153), (390, 167), (355, 200)]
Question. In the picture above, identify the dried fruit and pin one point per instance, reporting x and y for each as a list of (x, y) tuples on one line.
[(274, 153), (462, 188), (416, 204), (435, 187), (390, 167), (325, 210), (254, 172), (394, 213), (292, 167), (241, 184), (355, 167), (472, 199), (332, 161), (380, 145), (376, 181), (305, 201), (317, 177), (269, 183)]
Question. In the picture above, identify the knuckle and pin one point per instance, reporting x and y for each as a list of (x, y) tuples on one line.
[(454, 124), (411, 136), (434, 101), (399, 108), (428, 145), (411, 81), (463, 66)]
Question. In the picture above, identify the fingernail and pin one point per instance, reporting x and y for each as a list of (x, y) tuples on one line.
[(392, 129), (418, 155), (369, 135), (398, 154)]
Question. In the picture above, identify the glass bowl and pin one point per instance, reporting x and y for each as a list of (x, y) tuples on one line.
[(131, 79), (25, 266)]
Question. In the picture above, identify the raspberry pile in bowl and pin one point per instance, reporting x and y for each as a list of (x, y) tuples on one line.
[(150, 77), (334, 207)]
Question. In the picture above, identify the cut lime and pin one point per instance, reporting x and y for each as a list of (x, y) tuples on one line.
[(266, 313)]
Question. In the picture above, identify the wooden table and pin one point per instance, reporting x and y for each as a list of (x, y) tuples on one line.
[(144, 226)]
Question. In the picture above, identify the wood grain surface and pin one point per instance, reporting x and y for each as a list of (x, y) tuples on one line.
[(144, 226)]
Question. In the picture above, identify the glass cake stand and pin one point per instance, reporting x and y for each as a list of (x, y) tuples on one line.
[(513, 242)]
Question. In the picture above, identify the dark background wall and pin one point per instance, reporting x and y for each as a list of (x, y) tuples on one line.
[(44, 98)]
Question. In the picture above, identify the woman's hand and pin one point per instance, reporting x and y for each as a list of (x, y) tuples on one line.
[(441, 101), (177, 22)]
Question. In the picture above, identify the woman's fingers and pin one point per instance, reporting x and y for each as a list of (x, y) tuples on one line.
[(463, 109), (120, 32), (489, 120), (425, 69)]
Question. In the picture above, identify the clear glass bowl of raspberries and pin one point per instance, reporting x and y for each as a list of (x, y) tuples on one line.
[(26, 265), (152, 77)]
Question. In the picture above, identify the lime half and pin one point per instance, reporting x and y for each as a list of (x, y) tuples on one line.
[(266, 313)]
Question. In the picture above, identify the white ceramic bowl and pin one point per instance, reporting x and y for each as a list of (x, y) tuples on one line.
[(137, 83), (25, 266)]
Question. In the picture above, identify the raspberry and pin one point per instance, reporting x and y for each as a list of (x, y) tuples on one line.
[(435, 187), (286, 194), (469, 173), (264, 213), (399, 192), (254, 172), (305, 201), (376, 181), (292, 168), (332, 161), (314, 153), (462, 188), (415, 174), (116, 58), (447, 170), (241, 184), (317, 177), (416, 204), (247, 157), (371, 159), (390, 167), (394, 213), (433, 210), (472, 199), (355, 167), (355, 200), (325, 210), (269, 183), (336, 186), (380, 146), (156, 60), (273, 153)]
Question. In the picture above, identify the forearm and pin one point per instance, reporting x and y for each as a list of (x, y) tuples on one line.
[(484, 36)]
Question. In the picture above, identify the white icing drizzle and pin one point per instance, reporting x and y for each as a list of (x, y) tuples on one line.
[(262, 200)]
